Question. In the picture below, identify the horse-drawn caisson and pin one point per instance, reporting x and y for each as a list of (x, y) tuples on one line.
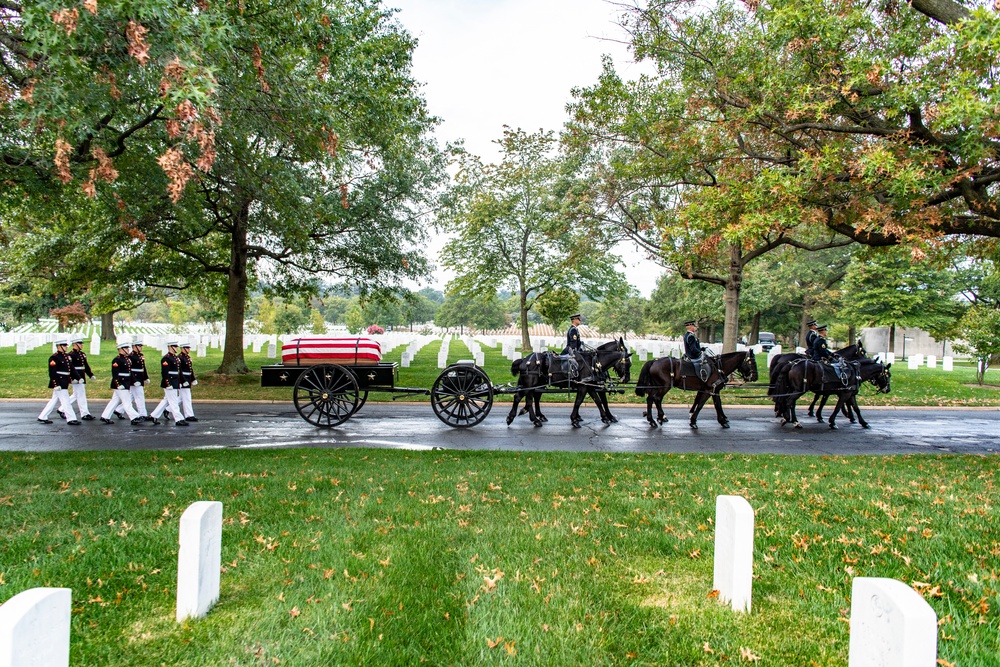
[(331, 380)]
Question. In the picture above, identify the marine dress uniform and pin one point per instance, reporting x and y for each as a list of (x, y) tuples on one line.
[(81, 371), (121, 380), (170, 380), (140, 378), (187, 381), (60, 374)]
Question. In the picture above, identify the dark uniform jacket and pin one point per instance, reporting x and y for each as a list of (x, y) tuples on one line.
[(692, 346), (187, 370), (573, 342), (121, 372), (60, 370), (170, 371), (139, 374), (820, 350), (810, 340), (81, 367)]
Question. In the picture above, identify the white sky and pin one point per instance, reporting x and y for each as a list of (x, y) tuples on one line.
[(490, 63)]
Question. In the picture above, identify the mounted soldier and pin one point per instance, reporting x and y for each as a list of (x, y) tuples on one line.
[(573, 342), (693, 351), (821, 352), (810, 336)]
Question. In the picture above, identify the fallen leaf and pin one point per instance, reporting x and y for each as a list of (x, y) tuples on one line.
[(510, 648), (493, 643), (713, 593), (747, 654), (295, 612), (707, 649)]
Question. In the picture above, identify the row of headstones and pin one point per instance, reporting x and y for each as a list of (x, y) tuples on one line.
[(443, 352), (475, 350), (913, 362), (891, 625), (415, 346), (35, 624)]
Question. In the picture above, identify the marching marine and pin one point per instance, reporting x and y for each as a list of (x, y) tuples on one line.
[(170, 380), (121, 381), (187, 381), (140, 378), (81, 371), (60, 374)]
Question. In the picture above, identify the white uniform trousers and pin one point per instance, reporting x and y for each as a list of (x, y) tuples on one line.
[(60, 396), (123, 398), (139, 397), (169, 402), (80, 397), (185, 396)]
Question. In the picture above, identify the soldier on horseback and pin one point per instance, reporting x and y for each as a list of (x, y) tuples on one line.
[(821, 352), (573, 342), (810, 336), (693, 351)]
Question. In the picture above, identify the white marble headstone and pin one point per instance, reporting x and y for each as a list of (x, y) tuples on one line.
[(948, 363), (272, 350), (34, 628), (931, 361), (199, 560), (734, 551), (913, 362), (404, 360), (891, 625), (890, 357), (22, 347), (202, 350)]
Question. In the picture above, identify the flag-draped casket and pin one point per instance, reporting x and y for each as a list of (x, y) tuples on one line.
[(344, 351)]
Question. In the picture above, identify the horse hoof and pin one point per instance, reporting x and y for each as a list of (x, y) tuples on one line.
[(865, 426), (576, 424), (643, 413), (537, 424), (819, 419), (543, 418), (614, 420), (853, 421), (694, 426), (810, 414), (798, 425), (784, 421), (510, 420), (654, 425), (833, 427), (725, 425)]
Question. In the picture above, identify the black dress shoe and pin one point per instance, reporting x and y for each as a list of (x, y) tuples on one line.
[(106, 421), (74, 422), (191, 419), (137, 421), (153, 421), (119, 415), (87, 418), (62, 415), (166, 416), (181, 423), (44, 421), (147, 418)]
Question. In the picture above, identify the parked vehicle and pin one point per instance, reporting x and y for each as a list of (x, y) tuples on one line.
[(766, 340)]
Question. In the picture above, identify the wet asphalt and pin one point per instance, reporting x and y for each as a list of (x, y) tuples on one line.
[(414, 426)]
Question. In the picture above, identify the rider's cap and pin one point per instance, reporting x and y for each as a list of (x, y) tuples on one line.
[(577, 316), (691, 323), (821, 327), (810, 323)]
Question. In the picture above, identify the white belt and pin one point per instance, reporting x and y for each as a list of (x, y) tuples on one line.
[(62, 372), (124, 375), (173, 373), (79, 368)]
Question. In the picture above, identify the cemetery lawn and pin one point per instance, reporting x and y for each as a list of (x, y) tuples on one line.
[(26, 376), (398, 558)]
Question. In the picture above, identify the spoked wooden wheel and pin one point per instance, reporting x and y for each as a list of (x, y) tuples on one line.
[(326, 395), (462, 396)]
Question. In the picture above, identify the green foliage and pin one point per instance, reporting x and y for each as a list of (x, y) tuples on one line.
[(289, 318), (886, 287), (556, 305), (980, 333), (676, 300), (621, 314), (510, 231), (317, 323), (482, 312)]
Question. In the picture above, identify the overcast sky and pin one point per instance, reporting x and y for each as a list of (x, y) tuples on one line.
[(490, 63)]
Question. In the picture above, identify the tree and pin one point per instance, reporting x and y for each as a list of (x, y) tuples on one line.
[(71, 315), (318, 324), (458, 310), (555, 306), (886, 287), (622, 313), (676, 300), (980, 331), (509, 230)]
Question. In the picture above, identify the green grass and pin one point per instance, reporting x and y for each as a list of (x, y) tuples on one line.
[(397, 558), (25, 376)]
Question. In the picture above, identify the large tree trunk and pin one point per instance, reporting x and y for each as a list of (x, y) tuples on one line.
[(731, 329), (892, 339), (754, 329), (233, 361), (525, 339), (108, 326), (852, 335), (807, 304)]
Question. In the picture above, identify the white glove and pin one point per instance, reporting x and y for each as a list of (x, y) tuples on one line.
[(146, 382), (194, 383), (136, 384), (185, 384)]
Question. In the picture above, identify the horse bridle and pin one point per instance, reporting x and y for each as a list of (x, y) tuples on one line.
[(883, 373)]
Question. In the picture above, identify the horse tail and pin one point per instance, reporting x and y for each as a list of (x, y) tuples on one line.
[(515, 368), (644, 378)]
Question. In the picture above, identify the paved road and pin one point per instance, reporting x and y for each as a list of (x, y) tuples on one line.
[(407, 426)]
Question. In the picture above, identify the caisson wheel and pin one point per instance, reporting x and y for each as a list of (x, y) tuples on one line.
[(362, 400), (326, 395), (462, 396)]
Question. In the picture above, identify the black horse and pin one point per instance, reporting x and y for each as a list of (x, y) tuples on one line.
[(780, 362), (807, 375), (658, 376), (588, 372)]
